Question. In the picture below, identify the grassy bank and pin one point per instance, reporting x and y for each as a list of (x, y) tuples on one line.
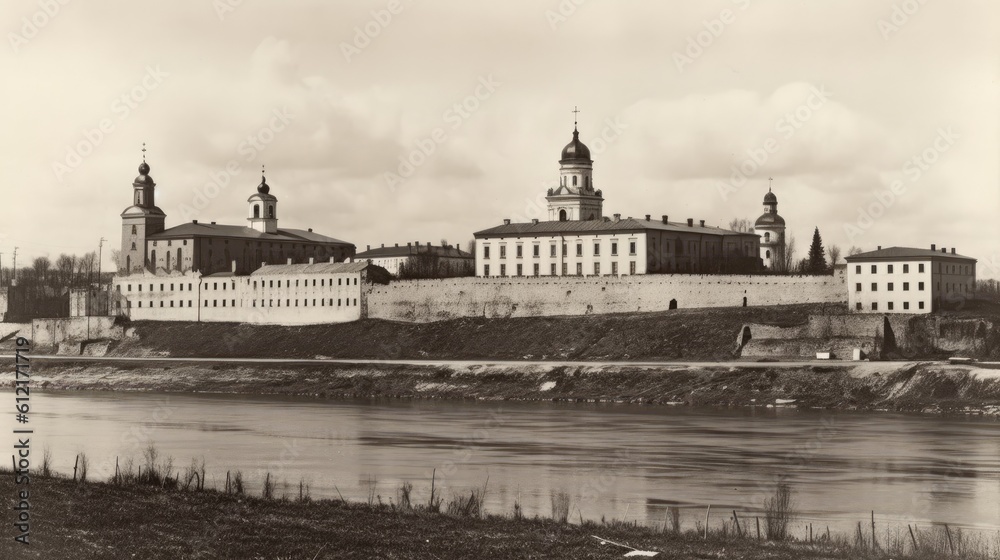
[(684, 334), (858, 386), (150, 518)]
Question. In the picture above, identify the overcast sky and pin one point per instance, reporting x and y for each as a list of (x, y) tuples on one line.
[(834, 100)]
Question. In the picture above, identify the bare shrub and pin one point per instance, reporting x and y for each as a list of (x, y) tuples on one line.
[(46, 470), (779, 512), (236, 487), (560, 506), (403, 496), (267, 491), (84, 465)]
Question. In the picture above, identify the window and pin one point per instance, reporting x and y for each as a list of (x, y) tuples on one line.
[(857, 306), (857, 269), (906, 286), (631, 267), (486, 270), (486, 251), (519, 250), (857, 287), (536, 250), (631, 247), (597, 249), (920, 286), (614, 248), (614, 268), (890, 306), (890, 286), (503, 251), (920, 267), (874, 306), (552, 250), (552, 269), (579, 249), (906, 304), (565, 269), (874, 269), (519, 269), (574, 180), (536, 271), (133, 230), (767, 237), (579, 269), (874, 286), (920, 305), (503, 270), (890, 269), (906, 269), (597, 269)]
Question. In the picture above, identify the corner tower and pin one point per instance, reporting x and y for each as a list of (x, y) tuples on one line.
[(575, 198), (771, 228), (263, 215), (139, 221)]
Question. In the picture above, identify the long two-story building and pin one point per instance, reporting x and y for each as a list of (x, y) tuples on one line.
[(909, 280)]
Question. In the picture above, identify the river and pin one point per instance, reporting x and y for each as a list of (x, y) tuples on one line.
[(617, 461)]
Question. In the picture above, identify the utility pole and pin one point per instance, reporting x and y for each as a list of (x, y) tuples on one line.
[(1, 270), (100, 246), (13, 281)]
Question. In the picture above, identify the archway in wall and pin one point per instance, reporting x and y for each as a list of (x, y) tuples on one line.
[(562, 215), (179, 267), (256, 210), (128, 264), (744, 301), (166, 264), (673, 304)]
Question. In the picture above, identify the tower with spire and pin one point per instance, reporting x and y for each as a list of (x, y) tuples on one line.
[(771, 229), (575, 198), (263, 210), (140, 220)]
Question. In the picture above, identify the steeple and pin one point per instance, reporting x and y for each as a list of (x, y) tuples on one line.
[(263, 208), (575, 198), (139, 221)]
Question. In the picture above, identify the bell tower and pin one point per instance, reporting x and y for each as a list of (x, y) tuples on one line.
[(575, 198), (140, 220), (263, 210)]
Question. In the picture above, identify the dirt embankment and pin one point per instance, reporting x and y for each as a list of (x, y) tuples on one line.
[(686, 334), (868, 386)]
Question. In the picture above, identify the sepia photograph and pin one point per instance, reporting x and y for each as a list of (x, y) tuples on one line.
[(553, 279)]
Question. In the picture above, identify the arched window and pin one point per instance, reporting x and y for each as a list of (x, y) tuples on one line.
[(592, 217), (133, 245), (270, 211), (152, 259), (128, 264), (767, 236), (574, 180), (138, 197), (562, 215), (767, 254), (586, 182), (133, 230), (167, 265), (178, 260), (256, 210)]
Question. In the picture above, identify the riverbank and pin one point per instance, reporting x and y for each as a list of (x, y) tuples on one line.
[(139, 520), (867, 386)]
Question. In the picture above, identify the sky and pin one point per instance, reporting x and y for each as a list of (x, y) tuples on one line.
[(395, 121)]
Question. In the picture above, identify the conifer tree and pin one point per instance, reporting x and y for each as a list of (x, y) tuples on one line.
[(817, 257)]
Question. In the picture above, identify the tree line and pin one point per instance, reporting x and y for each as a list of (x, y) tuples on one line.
[(67, 271)]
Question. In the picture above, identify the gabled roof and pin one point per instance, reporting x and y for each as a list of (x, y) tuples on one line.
[(192, 229), (904, 253), (412, 250), (602, 226), (318, 268)]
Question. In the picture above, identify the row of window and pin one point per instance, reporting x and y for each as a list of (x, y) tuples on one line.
[(891, 306), (270, 303), (305, 283), (232, 285), (536, 250), (948, 269), (536, 270), (949, 287)]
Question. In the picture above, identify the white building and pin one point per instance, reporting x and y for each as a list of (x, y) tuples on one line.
[(292, 294), (579, 240), (435, 261), (907, 280)]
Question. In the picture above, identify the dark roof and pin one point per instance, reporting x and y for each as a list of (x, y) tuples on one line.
[(192, 229), (576, 150), (768, 219), (411, 250), (317, 268), (904, 253), (601, 226)]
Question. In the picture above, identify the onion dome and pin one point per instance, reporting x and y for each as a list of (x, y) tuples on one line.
[(143, 178), (576, 150), (769, 198), (263, 187)]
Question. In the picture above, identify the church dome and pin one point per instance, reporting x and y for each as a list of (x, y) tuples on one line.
[(263, 187), (769, 198), (769, 220), (143, 178), (576, 150)]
